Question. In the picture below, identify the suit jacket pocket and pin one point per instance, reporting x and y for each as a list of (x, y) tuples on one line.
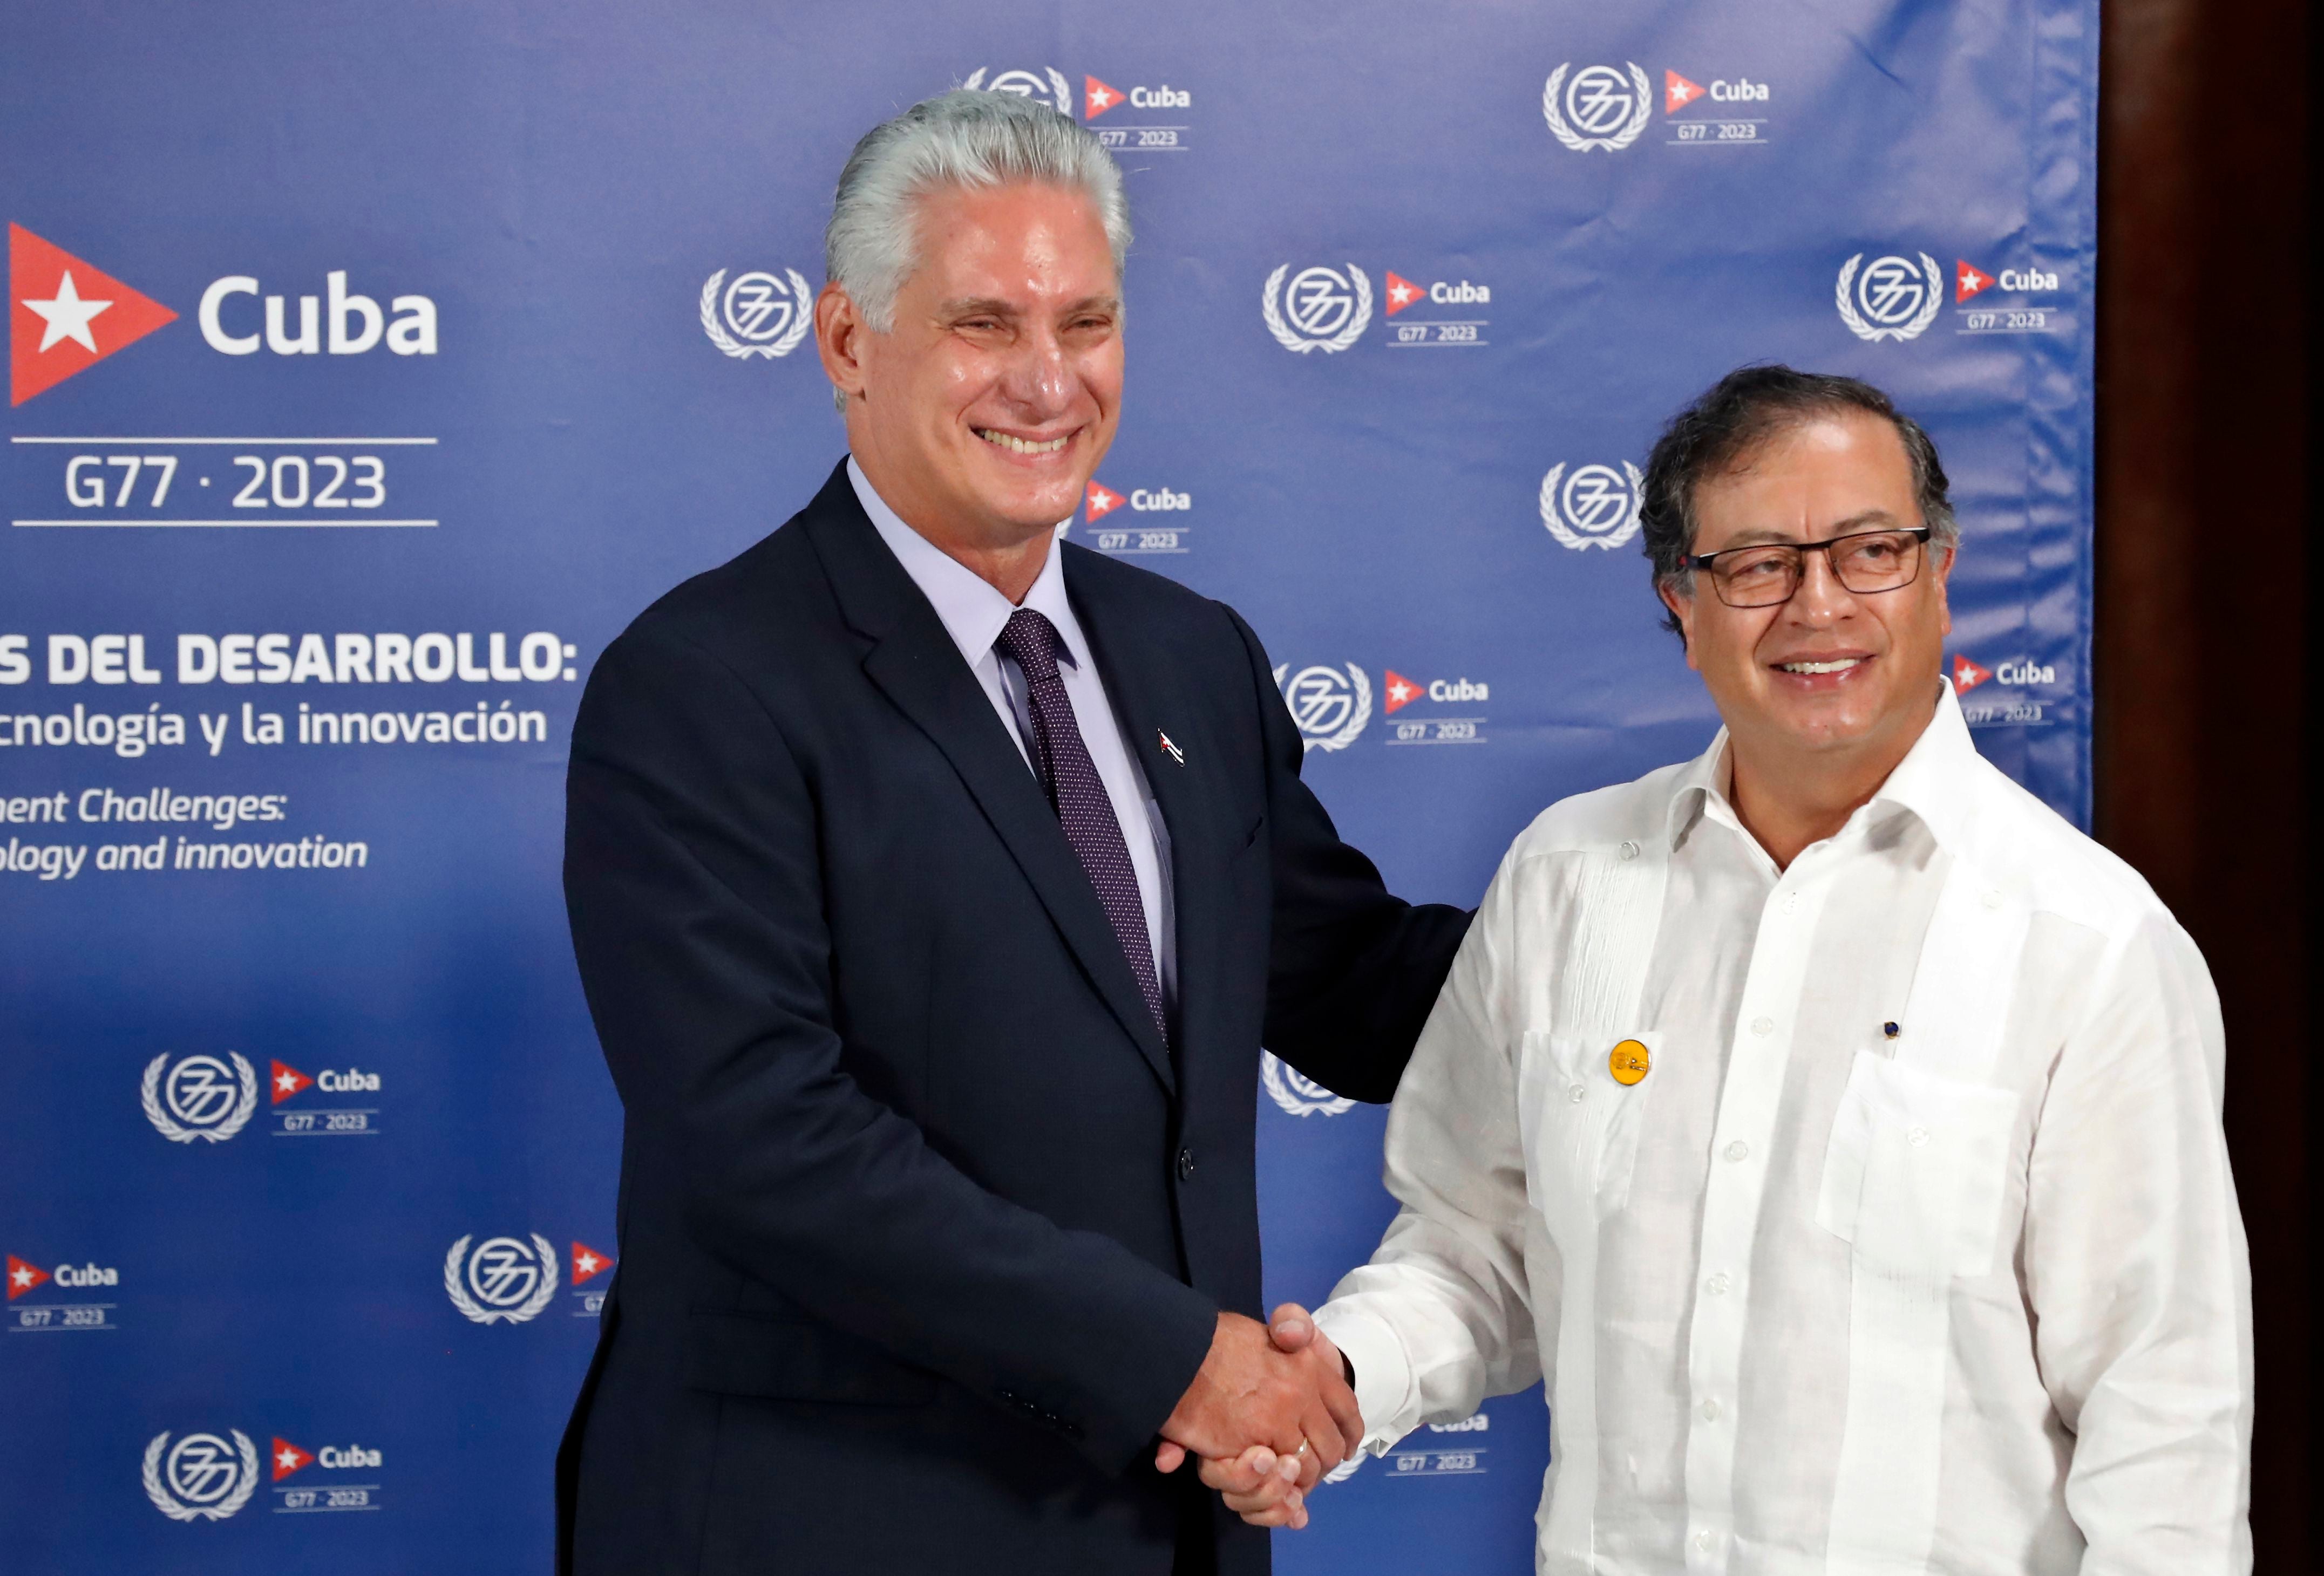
[(793, 1360), (1913, 1174)]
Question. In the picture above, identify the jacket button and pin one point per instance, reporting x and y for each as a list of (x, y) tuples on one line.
[(1185, 1164)]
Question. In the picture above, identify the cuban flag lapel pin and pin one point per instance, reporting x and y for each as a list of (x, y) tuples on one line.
[(1169, 748)]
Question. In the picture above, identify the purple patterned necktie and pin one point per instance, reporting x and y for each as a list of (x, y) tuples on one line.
[(1063, 763)]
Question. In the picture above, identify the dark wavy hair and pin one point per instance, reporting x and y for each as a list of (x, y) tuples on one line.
[(1726, 425)]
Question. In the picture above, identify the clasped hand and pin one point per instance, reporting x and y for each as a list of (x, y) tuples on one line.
[(1268, 1414)]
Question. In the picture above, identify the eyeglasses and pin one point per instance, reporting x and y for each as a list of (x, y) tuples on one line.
[(1769, 574)]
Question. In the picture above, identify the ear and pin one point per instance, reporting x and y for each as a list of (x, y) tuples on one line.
[(1944, 567), (1682, 608), (840, 332)]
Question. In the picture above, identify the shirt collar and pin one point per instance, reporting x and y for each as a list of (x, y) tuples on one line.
[(972, 610), (1933, 780), (1930, 782)]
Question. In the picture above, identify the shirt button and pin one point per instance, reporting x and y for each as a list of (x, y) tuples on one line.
[(1629, 851), (1577, 1094), (1991, 898), (1763, 1025), (1718, 1283), (1710, 1410), (1703, 1541), (1185, 1164), (1738, 1150), (1917, 1138)]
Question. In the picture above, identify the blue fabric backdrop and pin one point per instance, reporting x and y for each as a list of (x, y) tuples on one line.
[(436, 339)]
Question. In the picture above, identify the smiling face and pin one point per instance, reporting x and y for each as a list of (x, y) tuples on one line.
[(982, 413), (1831, 680)]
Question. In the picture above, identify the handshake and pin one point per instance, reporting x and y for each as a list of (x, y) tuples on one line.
[(1269, 1412)]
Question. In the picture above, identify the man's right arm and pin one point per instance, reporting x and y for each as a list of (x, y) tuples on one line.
[(695, 887), (1442, 1316)]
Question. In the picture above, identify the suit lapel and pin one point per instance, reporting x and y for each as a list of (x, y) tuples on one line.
[(914, 663)]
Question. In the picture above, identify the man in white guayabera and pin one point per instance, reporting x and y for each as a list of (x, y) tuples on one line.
[(1833, 1127)]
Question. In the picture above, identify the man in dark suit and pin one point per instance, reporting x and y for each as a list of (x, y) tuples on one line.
[(934, 886)]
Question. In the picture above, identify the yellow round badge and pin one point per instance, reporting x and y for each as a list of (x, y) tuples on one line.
[(1628, 1062)]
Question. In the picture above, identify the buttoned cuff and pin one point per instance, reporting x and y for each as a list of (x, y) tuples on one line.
[(1385, 1391)]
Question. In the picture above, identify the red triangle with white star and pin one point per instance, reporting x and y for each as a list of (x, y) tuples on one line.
[(1102, 500), (65, 315), (1968, 675), (1968, 280), (587, 1262), (1402, 293), (1678, 92), (288, 1458), (23, 1276), (286, 1080), (1098, 97), (1402, 692)]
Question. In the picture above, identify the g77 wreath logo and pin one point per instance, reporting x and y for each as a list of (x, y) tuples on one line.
[(1027, 84), (1610, 112), (1330, 704), (758, 317), (201, 1098), (1893, 299), (1328, 310), (200, 1480), (1297, 1092), (506, 1280), (1596, 507)]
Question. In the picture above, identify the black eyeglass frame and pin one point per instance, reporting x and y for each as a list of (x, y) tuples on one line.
[(1921, 535)]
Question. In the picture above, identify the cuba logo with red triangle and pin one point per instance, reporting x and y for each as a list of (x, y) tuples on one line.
[(1102, 500), (588, 1262), (284, 1081), (65, 315), (1678, 92), (1098, 96), (286, 1458), (1968, 675), (1402, 293), (23, 1278)]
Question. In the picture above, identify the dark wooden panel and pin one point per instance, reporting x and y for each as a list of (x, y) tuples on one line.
[(2204, 533)]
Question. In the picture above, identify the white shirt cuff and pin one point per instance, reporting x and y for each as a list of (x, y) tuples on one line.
[(1384, 1384)]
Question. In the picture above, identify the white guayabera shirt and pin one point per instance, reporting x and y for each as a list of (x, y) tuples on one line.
[(1812, 1297)]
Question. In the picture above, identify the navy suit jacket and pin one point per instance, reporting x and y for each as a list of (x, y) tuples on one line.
[(924, 1227)]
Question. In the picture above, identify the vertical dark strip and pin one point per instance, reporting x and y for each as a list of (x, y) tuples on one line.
[(2205, 548)]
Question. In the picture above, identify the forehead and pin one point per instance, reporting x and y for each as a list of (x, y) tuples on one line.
[(1845, 461), (1018, 234)]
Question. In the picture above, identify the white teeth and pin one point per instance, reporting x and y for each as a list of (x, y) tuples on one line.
[(1022, 446), (1842, 666)]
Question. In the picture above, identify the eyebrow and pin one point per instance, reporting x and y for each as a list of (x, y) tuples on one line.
[(1868, 519), (971, 305)]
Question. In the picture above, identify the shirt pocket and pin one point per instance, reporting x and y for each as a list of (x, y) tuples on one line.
[(1915, 1171), (1579, 1126)]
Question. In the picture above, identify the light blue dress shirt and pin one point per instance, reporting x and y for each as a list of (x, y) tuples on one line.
[(973, 612)]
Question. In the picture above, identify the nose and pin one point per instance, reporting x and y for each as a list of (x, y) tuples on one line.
[(1821, 599), (1038, 379)]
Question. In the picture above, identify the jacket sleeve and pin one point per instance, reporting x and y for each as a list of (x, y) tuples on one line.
[(2136, 1265), (694, 883), (1353, 969)]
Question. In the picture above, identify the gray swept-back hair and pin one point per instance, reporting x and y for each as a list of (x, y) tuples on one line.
[(1725, 428), (958, 139)]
